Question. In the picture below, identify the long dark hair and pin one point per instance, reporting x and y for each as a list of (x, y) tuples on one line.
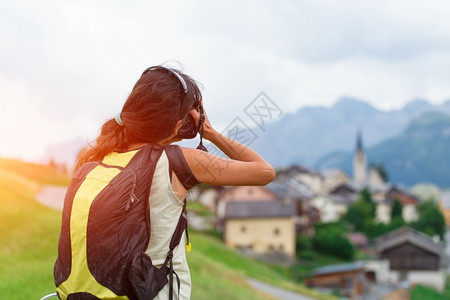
[(154, 106)]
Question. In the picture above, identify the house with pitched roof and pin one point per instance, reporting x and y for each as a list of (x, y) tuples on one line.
[(335, 204), (409, 205), (348, 279), (285, 189), (312, 179), (288, 189), (414, 256), (242, 193), (261, 227)]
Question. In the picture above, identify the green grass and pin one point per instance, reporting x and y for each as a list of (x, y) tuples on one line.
[(214, 249), (310, 260), (28, 246), (211, 248), (421, 292), (211, 279), (28, 239)]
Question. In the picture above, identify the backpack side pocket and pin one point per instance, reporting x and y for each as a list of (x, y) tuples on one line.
[(145, 279)]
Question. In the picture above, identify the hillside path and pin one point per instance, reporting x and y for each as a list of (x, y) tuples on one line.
[(276, 292), (53, 196)]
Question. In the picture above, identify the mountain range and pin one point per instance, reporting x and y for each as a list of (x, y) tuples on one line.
[(324, 138), (419, 154), (406, 141), (306, 136)]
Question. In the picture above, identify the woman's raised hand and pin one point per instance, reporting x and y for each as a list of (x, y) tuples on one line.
[(208, 130)]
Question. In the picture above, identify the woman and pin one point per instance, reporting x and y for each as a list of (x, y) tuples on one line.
[(157, 107)]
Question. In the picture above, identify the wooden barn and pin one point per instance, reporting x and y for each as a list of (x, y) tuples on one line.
[(349, 279), (414, 256), (408, 250)]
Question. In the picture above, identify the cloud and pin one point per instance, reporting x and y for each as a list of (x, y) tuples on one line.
[(310, 52), (73, 63), (324, 31)]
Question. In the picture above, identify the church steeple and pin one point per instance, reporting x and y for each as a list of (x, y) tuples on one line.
[(359, 161), (359, 144)]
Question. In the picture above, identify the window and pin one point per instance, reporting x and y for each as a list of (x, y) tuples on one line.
[(243, 228), (276, 231)]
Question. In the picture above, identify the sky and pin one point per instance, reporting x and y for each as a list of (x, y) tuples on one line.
[(68, 66)]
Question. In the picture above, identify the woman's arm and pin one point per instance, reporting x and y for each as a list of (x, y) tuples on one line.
[(245, 166)]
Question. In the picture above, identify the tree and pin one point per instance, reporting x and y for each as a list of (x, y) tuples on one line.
[(303, 246), (366, 197), (357, 214), (373, 229), (362, 211), (397, 209), (431, 220), (330, 239)]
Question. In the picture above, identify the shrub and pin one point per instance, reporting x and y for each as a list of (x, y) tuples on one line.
[(431, 220), (333, 242)]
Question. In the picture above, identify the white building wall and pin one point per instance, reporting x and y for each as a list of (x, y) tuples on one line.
[(409, 213), (334, 179), (375, 180), (381, 269), (383, 213), (359, 167), (221, 207), (208, 198), (313, 181), (329, 211), (434, 279)]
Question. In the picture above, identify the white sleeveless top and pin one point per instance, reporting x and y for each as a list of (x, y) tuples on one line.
[(165, 210)]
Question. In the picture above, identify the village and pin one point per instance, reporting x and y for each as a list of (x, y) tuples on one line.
[(383, 255)]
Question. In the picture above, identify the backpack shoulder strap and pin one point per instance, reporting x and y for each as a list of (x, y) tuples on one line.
[(182, 225), (143, 164), (178, 233)]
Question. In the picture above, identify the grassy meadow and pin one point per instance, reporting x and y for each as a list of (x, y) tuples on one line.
[(28, 231), (29, 234)]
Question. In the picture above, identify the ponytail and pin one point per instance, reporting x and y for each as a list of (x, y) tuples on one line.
[(112, 139)]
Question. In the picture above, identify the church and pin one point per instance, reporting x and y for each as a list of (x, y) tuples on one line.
[(382, 193), (361, 176)]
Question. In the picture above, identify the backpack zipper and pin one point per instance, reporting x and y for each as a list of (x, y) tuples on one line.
[(133, 198)]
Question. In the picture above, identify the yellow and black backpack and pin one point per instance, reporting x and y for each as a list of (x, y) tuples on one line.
[(105, 231)]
